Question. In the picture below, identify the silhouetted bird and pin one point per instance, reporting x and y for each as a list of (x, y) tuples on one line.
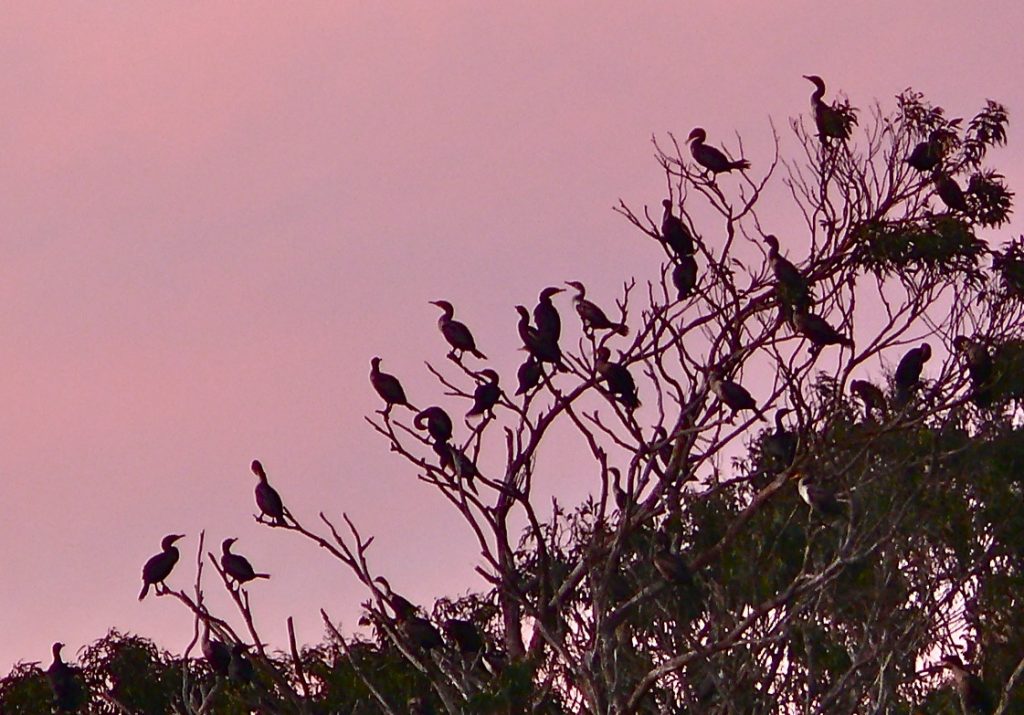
[(240, 668), (620, 382), (159, 567), (975, 698), (620, 494), (819, 498), (486, 395), (388, 387), (734, 395), (545, 315), (672, 567), (528, 375), (403, 607), (465, 635), (979, 367), (908, 372), (592, 317), (237, 566), (542, 348), (711, 158), (871, 395), (674, 232), (68, 695), (267, 498), (818, 331), (453, 458), (684, 277), (832, 123), (217, 655), (437, 423), (780, 446), (456, 333), (950, 193), (421, 633), (927, 154), (791, 285)]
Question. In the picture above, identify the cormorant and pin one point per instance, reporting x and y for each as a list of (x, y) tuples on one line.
[(421, 633), (871, 395), (545, 316), (908, 372), (438, 423), (403, 607), (831, 122), (780, 446), (620, 382), (240, 669), (975, 698), (711, 158), (68, 695), (821, 499), (543, 349), (684, 276), (621, 497), (792, 287), (979, 367), (591, 315), (734, 396), (675, 233), (820, 333), (237, 566), (528, 375), (159, 567), (388, 387), (451, 457), (456, 333), (465, 635), (672, 567), (927, 154), (267, 498), (486, 395), (218, 655), (950, 192)]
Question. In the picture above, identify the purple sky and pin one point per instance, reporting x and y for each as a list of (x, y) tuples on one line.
[(214, 215)]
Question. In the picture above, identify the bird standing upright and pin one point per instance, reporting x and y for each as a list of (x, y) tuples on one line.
[(684, 277), (68, 695), (159, 567), (456, 333), (734, 395), (979, 367), (832, 123), (950, 192), (711, 158), (486, 395), (237, 566), (780, 446), (620, 382), (791, 286), (592, 317), (541, 347), (872, 397), (927, 154), (545, 316), (267, 498), (674, 232), (388, 387), (821, 499), (217, 655), (908, 372)]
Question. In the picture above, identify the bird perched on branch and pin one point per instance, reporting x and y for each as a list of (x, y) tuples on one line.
[(734, 395), (388, 387), (927, 154), (975, 698), (821, 499), (832, 122), (159, 567), (453, 458), (979, 367), (616, 376), (528, 375), (436, 422), (592, 317), (240, 668), (456, 333), (217, 655), (403, 607), (791, 286), (780, 446), (950, 192), (541, 347), (545, 315), (908, 372), (871, 395), (237, 566), (465, 635), (674, 232), (486, 395), (711, 158), (818, 331), (684, 277), (68, 695), (267, 498)]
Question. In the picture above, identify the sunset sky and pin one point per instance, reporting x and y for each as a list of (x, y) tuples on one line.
[(214, 215)]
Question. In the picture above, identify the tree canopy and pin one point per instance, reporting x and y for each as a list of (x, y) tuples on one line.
[(804, 448)]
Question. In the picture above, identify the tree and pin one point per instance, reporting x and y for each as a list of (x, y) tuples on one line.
[(824, 563)]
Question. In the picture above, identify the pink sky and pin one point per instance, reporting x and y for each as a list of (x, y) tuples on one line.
[(214, 215)]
